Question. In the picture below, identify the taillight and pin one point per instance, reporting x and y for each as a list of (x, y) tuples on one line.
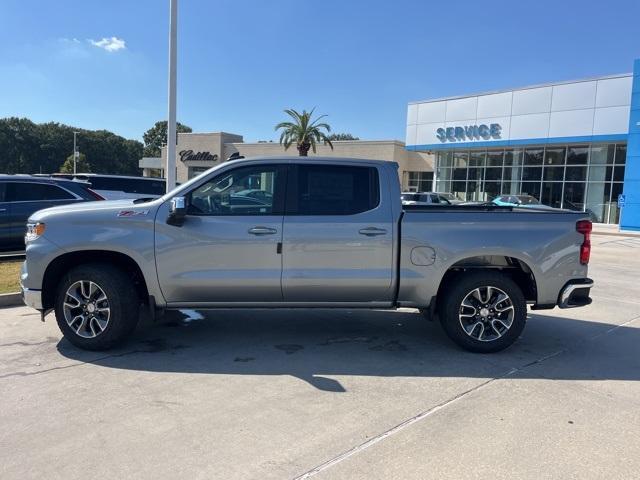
[(584, 227), (95, 195)]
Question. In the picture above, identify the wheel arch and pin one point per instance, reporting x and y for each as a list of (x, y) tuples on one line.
[(516, 268), (59, 266)]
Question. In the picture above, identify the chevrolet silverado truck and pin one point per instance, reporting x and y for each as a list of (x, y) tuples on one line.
[(302, 233)]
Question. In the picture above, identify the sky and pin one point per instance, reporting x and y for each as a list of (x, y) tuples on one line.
[(102, 64)]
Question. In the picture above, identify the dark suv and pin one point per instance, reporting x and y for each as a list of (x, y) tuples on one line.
[(21, 195)]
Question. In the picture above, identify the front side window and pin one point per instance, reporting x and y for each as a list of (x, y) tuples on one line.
[(31, 192), (332, 190), (242, 191)]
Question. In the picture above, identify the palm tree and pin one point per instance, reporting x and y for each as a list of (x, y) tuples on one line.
[(304, 132)]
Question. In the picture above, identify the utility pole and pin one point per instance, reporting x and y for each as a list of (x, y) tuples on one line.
[(170, 171), (75, 152)]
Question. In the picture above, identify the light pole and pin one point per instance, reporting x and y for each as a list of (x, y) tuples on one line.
[(75, 152), (170, 171)]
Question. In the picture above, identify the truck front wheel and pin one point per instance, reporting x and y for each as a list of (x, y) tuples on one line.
[(483, 311), (96, 306)]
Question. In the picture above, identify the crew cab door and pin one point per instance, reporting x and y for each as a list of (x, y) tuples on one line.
[(226, 251), (337, 235)]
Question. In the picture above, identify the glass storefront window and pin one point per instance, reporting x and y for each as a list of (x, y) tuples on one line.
[(621, 154), (531, 174), (618, 173), (554, 155), (531, 188), (577, 177), (493, 174), (614, 211), (597, 202), (477, 159), (602, 154), (445, 159), (495, 158), (553, 174), (513, 157), (598, 173), (533, 156), (575, 174), (460, 159), (573, 198), (578, 155), (492, 190), (552, 194), (443, 173), (460, 174)]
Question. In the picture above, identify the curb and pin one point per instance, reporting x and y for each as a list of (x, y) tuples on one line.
[(617, 234), (11, 300)]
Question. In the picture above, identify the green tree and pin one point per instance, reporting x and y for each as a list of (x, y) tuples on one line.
[(156, 136), (334, 137), (303, 131), (28, 147), (82, 166)]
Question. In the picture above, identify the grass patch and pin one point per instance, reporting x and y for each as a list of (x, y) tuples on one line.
[(10, 276)]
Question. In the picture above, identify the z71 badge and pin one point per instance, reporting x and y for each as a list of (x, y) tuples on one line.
[(132, 213)]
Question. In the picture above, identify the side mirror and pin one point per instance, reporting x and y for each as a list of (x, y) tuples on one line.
[(177, 212)]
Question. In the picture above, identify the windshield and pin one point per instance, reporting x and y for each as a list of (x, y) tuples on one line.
[(528, 200), (410, 197)]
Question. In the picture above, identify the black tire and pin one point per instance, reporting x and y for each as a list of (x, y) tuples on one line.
[(456, 292), (122, 301)]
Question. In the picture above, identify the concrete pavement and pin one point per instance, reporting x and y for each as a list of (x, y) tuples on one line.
[(331, 394)]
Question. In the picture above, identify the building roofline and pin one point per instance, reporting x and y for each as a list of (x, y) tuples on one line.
[(528, 87), (342, 142), (210, 133)]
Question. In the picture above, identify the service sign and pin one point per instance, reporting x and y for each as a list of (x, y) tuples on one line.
[(469, 133)]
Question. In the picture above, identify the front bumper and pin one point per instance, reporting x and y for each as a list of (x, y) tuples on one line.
[(575, 294), (32, 298)]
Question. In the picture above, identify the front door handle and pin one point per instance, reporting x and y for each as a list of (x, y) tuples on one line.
[(262, 231), (372, 231)]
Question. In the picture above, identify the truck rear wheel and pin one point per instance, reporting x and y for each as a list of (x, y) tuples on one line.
[(483, 311), (96, 306)]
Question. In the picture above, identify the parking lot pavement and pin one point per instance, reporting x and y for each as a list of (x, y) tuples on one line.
[(331, 394)]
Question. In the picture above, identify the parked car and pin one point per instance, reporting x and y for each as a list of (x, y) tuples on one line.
[(516, 200), (424, 198), (21, 195), (333, 234), (117, 187), (452, 197)]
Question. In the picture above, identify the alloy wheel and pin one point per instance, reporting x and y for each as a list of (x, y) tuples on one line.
[(486, 313), (86, 308)]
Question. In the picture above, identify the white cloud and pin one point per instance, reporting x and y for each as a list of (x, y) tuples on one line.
[(112, 44)]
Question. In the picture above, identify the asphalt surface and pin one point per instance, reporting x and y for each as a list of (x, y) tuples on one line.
[(332, 395)]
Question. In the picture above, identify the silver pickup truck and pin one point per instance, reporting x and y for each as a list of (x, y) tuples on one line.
[(302, 233)]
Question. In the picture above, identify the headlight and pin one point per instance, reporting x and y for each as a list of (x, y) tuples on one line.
[(34, 230)]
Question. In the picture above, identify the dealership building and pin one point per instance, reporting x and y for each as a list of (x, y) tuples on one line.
[(572, 145)]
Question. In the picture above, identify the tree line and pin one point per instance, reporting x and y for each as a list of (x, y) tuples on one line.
[(28, 147)]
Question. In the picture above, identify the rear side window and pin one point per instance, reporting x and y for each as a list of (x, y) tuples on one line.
[(2, 190), (30, 192), (332, 190)]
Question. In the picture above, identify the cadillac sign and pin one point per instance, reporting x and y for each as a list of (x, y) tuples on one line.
[(186, 155), (469, 133)]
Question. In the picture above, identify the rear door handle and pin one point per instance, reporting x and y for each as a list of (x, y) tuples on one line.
[(372, 231), (262, 231)]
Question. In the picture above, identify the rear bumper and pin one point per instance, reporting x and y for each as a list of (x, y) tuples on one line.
[(575, 294), (32, 298)]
